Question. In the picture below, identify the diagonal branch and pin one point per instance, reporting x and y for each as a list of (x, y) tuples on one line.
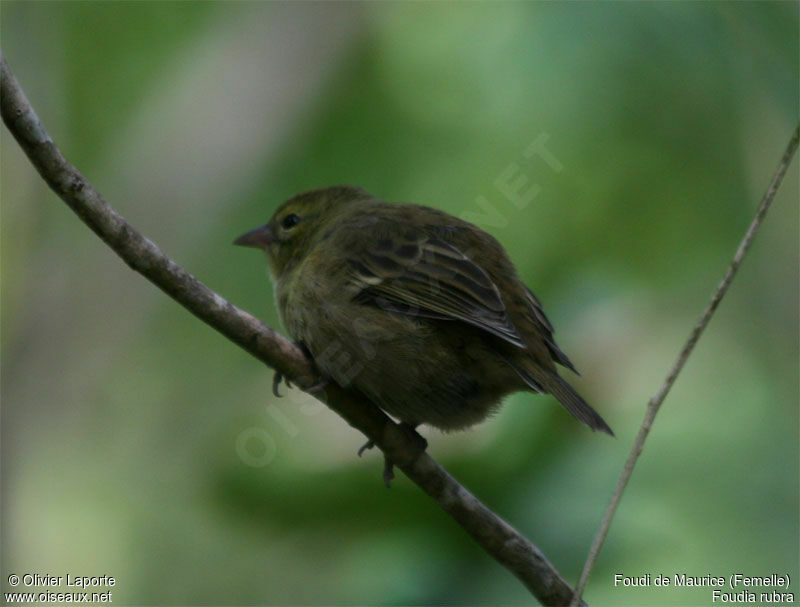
[(492, 533), (655, 403)]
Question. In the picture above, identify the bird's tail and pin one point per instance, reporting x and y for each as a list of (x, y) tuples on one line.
[(551, 383)]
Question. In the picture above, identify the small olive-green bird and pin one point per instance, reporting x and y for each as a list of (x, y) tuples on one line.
[(421, 312)]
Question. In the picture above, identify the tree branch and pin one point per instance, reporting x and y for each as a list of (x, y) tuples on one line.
[(655, 403), (492, 533)]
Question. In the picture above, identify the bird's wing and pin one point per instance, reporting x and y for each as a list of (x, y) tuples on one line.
[(421, 275), (537, 312)]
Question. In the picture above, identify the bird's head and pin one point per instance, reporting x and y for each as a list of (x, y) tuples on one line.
[(298, 224)]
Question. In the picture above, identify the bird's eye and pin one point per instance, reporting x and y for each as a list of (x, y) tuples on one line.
[(290, 221)]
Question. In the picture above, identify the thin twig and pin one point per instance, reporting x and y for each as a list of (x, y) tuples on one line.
[(492, 533), (655, 403)]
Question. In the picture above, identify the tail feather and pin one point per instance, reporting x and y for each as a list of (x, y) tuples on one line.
[(573, 403), (551, 383)]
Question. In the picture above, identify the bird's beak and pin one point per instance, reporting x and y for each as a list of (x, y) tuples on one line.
[(259, 238)]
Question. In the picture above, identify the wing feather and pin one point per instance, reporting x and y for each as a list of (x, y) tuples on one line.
[(558, 355), (425, 276)]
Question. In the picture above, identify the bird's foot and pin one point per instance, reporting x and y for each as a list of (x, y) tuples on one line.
[(388, 465), (320, 385), (388, 472), (279, 377), (276, 383), (365, 447), (410, 431)]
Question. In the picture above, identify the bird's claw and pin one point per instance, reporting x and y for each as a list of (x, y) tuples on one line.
[(388, 464), (279, 377), (320, 385), (365, 447), (276, 383), (388, 472)]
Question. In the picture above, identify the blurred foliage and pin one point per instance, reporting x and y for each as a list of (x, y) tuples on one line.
[(136, 442)]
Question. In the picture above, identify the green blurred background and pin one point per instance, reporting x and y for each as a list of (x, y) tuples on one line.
[(139, 443)]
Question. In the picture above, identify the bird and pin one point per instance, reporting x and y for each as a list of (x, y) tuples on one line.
[(417, 310)]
